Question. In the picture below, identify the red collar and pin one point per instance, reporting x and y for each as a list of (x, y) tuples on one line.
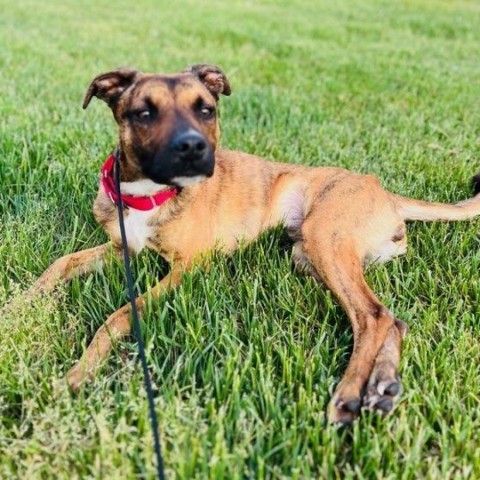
[(130, 201)]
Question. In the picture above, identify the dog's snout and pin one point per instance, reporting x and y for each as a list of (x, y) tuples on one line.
[(187, 154), (189, 145)]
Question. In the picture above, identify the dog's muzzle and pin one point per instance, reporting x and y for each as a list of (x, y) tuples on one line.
[(187, 156)]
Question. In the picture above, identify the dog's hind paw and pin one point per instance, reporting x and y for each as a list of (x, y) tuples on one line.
[(383, 391), (343, 412), (344, 407)]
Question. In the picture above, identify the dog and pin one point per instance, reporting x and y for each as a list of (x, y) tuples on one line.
[(184, 197)]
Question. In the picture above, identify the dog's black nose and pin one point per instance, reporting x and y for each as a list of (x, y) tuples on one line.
[(189, 145)]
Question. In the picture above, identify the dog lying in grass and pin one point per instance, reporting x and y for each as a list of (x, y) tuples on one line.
[(184, 197)]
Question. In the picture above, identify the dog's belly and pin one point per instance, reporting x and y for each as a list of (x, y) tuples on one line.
[(386, 251), (290, 210)]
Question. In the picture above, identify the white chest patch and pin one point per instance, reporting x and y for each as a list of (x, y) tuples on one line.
[(137, 222), (137, 228)]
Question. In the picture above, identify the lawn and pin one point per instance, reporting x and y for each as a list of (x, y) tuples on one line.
[(246, 356)]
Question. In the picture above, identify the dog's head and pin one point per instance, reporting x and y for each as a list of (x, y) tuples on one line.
[(168, 123)]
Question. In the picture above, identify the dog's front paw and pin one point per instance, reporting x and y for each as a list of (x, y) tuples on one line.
[(77, 376)]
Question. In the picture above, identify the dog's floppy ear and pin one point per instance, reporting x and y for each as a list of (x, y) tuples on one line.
[(110, 86), (212, 77)]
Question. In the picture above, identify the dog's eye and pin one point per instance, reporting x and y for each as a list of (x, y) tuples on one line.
[(143, 115), (207, 112)]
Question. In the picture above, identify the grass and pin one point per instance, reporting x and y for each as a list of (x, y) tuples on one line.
[(244, 357)]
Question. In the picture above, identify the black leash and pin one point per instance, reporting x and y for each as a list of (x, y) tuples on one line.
[(136, 325)]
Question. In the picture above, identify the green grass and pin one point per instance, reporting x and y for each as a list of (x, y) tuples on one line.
[(244, 357)]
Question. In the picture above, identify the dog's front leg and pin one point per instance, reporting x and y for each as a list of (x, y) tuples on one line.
[(73, 265), (116, 327)]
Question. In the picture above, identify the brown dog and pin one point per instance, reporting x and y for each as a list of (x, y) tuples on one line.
[(201, 198)]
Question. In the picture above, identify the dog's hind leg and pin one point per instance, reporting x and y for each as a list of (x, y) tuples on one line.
[(116, 327), (338, 263), (73, 265), (384, 386)]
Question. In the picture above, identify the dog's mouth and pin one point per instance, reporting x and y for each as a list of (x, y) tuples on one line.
[(180, 172)]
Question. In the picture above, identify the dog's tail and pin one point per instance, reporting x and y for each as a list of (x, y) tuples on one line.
[(411, 209)]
